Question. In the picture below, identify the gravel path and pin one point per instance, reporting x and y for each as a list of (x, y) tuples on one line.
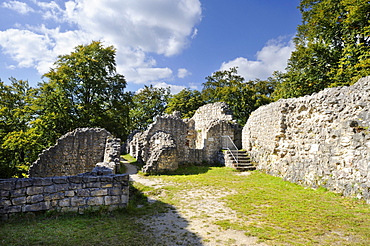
[(192, 223)]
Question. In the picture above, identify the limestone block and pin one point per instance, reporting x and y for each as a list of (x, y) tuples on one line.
[(5, 202), (69, 193), (18, 192), (83, 192), (66, 202), (111, 200), (115, 191), (36, 207), (60, 180), (75, 179), (78, 201), (19, 201), (99, 192), (42, 181), (14, 209), (8, 184), (23, 183), (50, 189), (95, 201), (35, 199)]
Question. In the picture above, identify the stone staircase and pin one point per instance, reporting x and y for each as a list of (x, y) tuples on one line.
[(243, 163)]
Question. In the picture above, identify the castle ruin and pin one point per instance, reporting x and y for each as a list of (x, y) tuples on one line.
[(171, 141)]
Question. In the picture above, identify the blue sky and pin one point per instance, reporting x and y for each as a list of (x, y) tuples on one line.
[(174, 43)]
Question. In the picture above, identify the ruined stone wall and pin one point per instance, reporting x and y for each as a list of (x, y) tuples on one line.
[(163, 154), (318, 140), (195, 140), (64, 194), (77, 152)]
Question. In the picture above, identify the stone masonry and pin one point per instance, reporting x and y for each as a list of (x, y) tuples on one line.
[(78, 152), (317, 140), (88, 191), (171, 141)]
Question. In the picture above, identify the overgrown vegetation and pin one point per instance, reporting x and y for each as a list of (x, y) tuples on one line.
[(275, 211)]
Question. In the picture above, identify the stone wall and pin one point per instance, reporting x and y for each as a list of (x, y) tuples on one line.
[(194, 140), (78, 152), (318, 140), (64, 194)]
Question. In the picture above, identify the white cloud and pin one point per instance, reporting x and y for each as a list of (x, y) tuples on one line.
[(136, 28), (20, 7), (174, 88), (144, 75), (272, 57), (159, 26), (182, 73)]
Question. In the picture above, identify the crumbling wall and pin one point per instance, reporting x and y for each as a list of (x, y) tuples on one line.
[(196, 140), (163, 154), (318, 140), (78, 152), (78, 193)]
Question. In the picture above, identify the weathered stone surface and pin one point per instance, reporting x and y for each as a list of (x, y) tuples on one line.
[(170, 141), (70, 196), (78, 152), (35, 199), (318, 140), (111, 200)]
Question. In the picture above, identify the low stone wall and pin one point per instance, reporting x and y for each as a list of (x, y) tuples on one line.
[(65, 194), (318, 140)]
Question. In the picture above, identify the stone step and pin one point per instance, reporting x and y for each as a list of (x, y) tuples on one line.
[(244, 161)]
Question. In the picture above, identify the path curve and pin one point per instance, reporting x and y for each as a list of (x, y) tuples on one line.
[(194, 221)]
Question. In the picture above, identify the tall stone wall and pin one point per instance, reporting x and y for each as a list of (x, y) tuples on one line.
[(77, 152), (87, 191), (318, 140), (194, 140)]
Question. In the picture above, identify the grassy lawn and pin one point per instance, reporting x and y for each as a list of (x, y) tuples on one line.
[(279, 212), (275, 211)]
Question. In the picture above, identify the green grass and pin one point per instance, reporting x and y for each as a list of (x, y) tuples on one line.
[(120, 227), (282, 213), (275, 211), (129, 158)]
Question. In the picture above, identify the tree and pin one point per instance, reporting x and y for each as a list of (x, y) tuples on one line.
[(148, 103), (332, 46), (186, 101), (19, 142), (84, 90), (242, 97)]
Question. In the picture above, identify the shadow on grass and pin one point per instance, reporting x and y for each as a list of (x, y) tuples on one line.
[(161, 220), (143, 222)]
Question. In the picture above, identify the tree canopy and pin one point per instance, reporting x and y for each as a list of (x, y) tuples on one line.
[(84, 90), (148, 103), (332, 47), (187, 101)]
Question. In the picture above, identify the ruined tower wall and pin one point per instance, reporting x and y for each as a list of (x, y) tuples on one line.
[(318, 140)]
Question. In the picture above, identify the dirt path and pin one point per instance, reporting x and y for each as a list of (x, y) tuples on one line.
[(193, 222)]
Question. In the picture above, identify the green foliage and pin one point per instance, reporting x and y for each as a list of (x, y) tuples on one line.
[(84, 90), (187, 101), (242, 97), (148, 103), (332, 47), (19, 142)]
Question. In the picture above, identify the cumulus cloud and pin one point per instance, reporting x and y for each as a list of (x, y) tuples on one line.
[(272, 57), (137, 28), (182, 73), (17, 6)]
